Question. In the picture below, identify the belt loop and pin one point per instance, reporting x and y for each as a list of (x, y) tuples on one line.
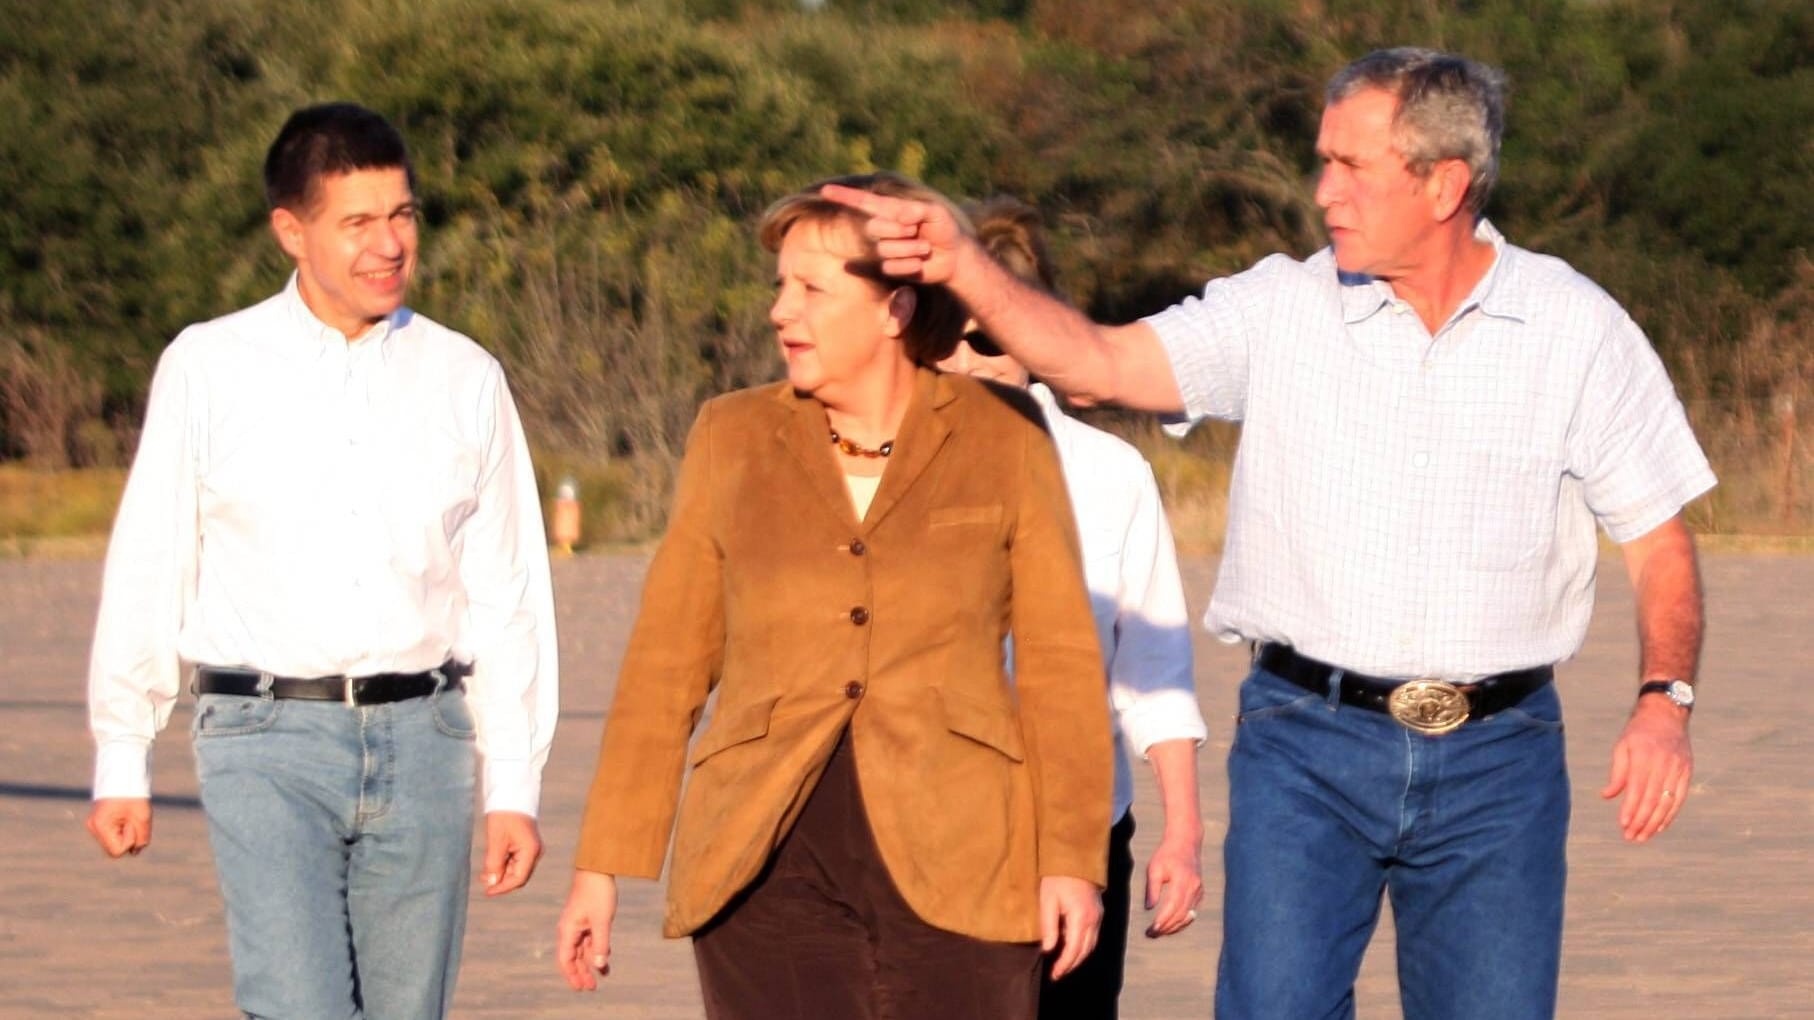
[(265, 682), (1335, 687), (440, 675), (351, 689)]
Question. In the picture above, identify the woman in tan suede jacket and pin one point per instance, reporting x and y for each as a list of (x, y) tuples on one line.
[(876, 821)]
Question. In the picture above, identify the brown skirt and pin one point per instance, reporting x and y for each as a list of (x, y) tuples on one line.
[(823, 934)]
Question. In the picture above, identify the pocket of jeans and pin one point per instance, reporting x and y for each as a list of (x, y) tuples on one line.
[(453, 716), (1264, 696), (232, 715), (1540, 710)]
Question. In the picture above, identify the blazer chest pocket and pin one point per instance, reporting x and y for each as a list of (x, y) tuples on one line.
[(988, 725), (955, 516), (733, 725)]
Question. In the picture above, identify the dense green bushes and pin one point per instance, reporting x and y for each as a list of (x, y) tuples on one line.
[(590, 170)]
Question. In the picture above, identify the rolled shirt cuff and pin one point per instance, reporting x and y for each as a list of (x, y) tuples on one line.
[(122, 768), (1160, 716), (512, 784)]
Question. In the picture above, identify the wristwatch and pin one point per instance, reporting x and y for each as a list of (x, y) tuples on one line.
[(1681, 692)]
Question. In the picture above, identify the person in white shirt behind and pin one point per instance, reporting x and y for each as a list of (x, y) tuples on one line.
[(1142, 624), (332, 515)]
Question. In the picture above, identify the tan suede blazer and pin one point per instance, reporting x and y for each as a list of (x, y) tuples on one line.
[(805, 621)]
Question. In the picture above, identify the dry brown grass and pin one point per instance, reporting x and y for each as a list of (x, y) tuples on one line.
[(40, 508), (1752, 405)]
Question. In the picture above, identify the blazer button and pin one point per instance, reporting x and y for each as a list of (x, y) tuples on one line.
[(853, 690), (857, 548), (859, 616)]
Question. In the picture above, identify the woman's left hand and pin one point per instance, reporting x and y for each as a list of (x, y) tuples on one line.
[(1070, 915), (582, 941)]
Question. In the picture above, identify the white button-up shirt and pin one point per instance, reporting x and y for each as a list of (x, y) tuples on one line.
[(1405, 504), (306, 506), (1135, 592)]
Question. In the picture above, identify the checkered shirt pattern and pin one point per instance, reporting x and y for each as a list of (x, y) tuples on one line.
[(1409, 505)]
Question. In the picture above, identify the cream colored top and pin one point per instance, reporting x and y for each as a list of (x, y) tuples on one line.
[(862, 491)]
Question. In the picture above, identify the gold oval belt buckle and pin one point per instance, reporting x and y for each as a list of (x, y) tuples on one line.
[(1428, 706)]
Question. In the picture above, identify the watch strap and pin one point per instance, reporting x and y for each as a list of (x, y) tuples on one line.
[(1667, 689)]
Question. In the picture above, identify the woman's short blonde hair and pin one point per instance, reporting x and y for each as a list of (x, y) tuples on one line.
[(938, 316)]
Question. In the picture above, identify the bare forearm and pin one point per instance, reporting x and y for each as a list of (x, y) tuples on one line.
[(1175, 767), (1087, 362), (1666, 580)]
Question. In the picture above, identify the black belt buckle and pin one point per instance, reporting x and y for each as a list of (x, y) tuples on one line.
[(232, 681), (385, 688)]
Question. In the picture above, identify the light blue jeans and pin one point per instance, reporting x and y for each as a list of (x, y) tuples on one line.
[(1331, 805), (342, 841)]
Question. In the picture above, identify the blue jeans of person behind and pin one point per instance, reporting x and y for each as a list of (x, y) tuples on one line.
[(1330, 805), (342, 841)]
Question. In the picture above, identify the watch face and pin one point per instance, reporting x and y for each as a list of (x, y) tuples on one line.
[(1681, 692)]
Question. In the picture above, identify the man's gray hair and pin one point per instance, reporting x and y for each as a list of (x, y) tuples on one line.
[(1449, 107)]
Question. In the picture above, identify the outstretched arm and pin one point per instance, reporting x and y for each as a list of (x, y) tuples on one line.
[(1087, 362)]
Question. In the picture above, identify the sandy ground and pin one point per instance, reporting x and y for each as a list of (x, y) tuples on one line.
[(1716, 919)]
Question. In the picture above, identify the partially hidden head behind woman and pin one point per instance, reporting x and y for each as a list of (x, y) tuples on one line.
[(851, 337), (1008, 229)]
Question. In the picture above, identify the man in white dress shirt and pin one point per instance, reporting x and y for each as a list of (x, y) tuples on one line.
[(332, 517), (1434, 420)]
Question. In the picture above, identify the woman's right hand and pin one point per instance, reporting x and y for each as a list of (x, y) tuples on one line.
[(583, 937), (1070, 916)]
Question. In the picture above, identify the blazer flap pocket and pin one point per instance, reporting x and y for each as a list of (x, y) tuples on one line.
[(733, 725), (991, 725), (947, 516)]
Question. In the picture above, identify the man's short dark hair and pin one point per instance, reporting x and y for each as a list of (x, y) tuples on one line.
[(324, 140)]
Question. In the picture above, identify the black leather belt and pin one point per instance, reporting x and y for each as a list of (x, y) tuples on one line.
[(1430, 706), (376, 689)]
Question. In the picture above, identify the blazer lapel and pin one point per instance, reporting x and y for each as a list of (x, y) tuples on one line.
[(923, 434), (803, 435)]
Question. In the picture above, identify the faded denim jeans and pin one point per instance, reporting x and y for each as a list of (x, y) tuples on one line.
[(1332, 805), (342, 841)]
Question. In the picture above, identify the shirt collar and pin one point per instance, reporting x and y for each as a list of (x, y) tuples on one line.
[(1362, 295), (322, 338), (1495, 295)]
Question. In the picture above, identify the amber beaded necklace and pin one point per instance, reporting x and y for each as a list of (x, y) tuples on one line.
[(851, 448)]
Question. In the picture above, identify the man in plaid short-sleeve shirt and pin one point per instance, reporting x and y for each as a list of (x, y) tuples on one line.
[(1434, 421)]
